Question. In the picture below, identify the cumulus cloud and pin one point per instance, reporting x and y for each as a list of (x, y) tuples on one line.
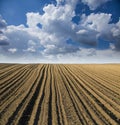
[(33, 19), (21, 42), (49, 41), (101, 23), (116, 35), (2, 23), (98, 22), (57, 27), (12, 50), (3, 39), (59, 2), (93, 4), (90, 55), (87, 36)]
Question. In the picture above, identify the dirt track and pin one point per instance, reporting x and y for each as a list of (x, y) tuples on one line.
[(59, 94)]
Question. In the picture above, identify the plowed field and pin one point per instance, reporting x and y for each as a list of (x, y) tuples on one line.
[(59, 94)]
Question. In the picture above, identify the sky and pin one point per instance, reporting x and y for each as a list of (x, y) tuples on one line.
[(59, 31)]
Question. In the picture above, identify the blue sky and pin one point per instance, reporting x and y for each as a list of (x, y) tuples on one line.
[(60, 31)]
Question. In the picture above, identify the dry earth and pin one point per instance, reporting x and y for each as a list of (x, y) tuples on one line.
[(57, 94)]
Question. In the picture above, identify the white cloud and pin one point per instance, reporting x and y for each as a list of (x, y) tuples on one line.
[(101, 23), (12, 50), (98, 22), (3, 39), (86, 36), (116, 35), (82, 32), (57, 27), (2, 23), (90, 56), (33, 19), (50, 41), (22, 39), (112, 46), (31, 49), (31, 43), (60, 1), (93, 4)]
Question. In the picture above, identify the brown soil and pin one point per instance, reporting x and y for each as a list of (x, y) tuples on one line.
[(59, 94)]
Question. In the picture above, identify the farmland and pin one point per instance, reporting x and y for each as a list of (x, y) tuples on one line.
[(59, 94)]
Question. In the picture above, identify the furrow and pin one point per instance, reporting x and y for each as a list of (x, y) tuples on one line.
[(21, 103), (82, 109), (101, 86), (9, 71), (15, 94), (24, 116), (102, 108), (9, 83), (71, 115), (62, 118), (44, 115), (37, 106), (15, 85)]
